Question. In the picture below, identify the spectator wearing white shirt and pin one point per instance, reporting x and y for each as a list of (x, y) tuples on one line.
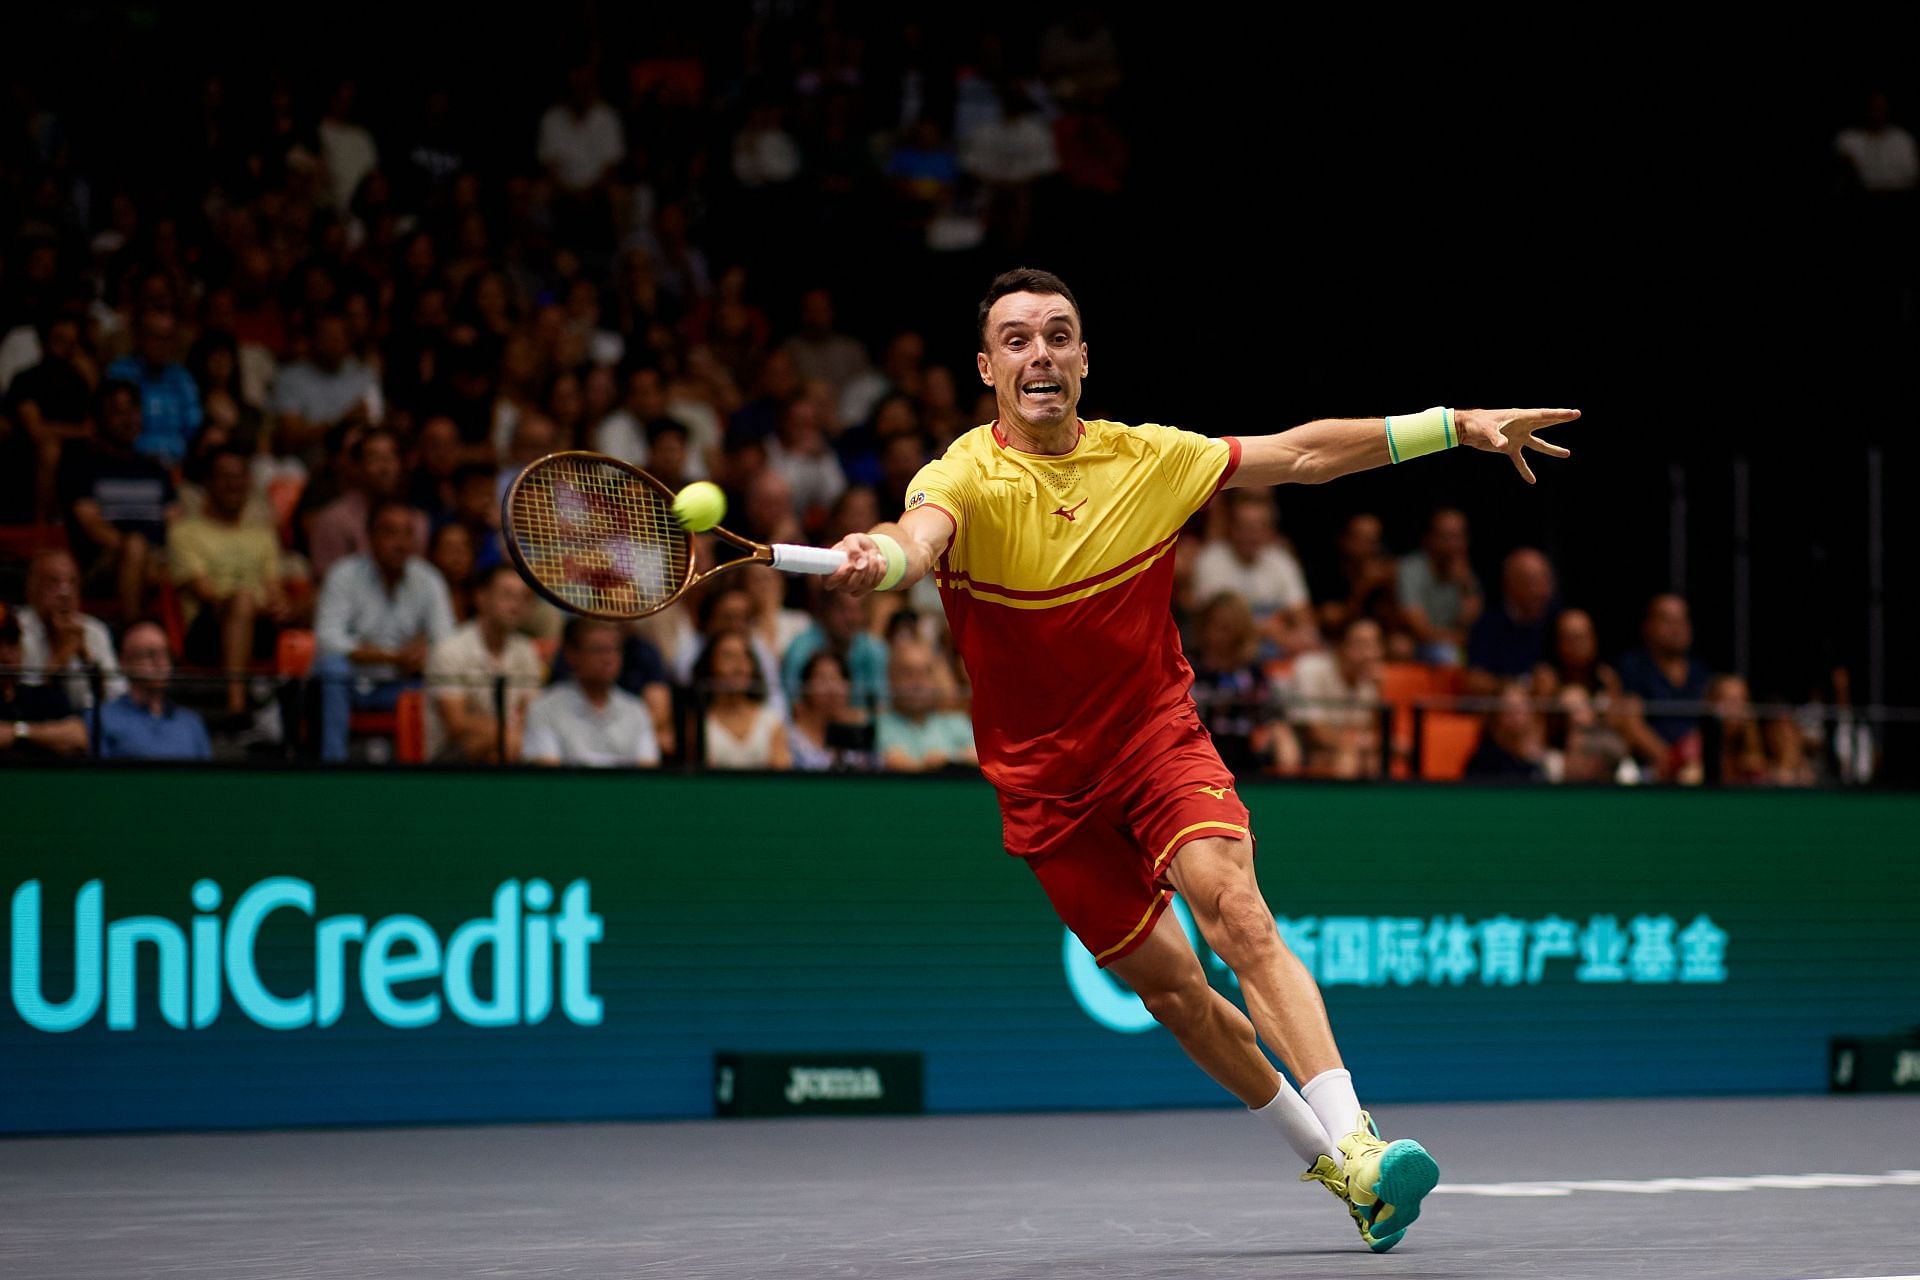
[(800, 454), (1252, 562), (379, 615), (346, 149), (1881, 153), (764, 153), (589, 719), (55, 636), (1337, 702), (463, 720), (581, 139), (310, 396)]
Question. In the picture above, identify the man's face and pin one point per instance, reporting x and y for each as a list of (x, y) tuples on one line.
[(668, 454), (63, 340), (781, 377), (1360, 540), (53, 588), (1251, 529), (475, 498), (1528, 585), (596, 657), (503, 601), (380, 466), (144, 656), (1361, 653), (227, 485), (646, 397), (120, 417), (1669, 628), (1578, 645), (532, 439), (1447, 539), (440, 446), (1035, 360), (392, 540), (910, 679), (732, 612), (330, 342), (156, 338), (769, 500), (842, 616)]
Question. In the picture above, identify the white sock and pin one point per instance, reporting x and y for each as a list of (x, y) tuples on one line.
[(1330, 1094), (1295, 1120)]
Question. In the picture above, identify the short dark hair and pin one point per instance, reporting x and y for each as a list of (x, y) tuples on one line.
[(469, 470), (357, 450), (380, 506), (109, 389), (658, 427), (1020, 280), (575, 633), (484, 577)]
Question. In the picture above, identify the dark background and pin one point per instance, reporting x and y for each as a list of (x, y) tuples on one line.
[(1645, 223)]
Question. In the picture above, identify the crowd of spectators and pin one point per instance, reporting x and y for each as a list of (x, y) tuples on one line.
[(257, 422)]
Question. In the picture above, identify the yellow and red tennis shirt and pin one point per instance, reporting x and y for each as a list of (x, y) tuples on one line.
[(1058, 586)]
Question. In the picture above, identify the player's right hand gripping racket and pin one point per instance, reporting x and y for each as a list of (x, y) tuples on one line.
[(597, 536)]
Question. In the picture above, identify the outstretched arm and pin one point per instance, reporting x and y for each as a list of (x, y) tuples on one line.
[(1329, 448), (923, 534)]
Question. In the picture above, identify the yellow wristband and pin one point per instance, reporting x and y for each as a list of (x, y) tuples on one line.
[(896, 561), (1417, 434)]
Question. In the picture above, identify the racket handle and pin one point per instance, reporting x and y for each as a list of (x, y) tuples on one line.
[(789, 557)]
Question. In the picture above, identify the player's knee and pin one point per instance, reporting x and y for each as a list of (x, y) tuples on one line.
[(1176, 1008), (1246, 927)]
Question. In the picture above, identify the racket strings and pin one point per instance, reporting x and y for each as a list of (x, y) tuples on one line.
[(598, 538)]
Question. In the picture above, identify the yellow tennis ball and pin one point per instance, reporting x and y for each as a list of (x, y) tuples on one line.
[(700, 505)]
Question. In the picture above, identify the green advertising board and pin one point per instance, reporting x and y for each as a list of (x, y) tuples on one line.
[(202, 948)]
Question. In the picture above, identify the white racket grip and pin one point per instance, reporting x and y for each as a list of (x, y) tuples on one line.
[(790, 557)]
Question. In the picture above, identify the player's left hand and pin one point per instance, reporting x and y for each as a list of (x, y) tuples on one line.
[(1511, 431)]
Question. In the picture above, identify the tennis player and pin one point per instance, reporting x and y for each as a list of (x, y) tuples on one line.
[(1051, 539)]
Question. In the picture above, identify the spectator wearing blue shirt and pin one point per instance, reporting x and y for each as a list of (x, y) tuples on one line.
[(379, 614), (914, 735), (1508, 642), (170, 412), (142, 724), (1664, 670), (841, 627)]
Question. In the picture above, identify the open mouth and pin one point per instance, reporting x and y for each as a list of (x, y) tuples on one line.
[(1041, 389)]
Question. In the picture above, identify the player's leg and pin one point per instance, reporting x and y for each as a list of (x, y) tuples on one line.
[(1384, 1182), (1166, 974)]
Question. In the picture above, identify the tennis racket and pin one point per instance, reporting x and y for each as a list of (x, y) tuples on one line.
[(598, 537)]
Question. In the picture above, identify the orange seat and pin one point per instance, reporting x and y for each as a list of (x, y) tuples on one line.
[(1447, 741), (546, 647), (410, 727), (1401, 685), (294, 654)]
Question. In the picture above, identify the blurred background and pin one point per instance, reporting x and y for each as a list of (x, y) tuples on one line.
[(272, 281)]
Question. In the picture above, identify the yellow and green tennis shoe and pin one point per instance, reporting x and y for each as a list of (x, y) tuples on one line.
[(1382, 1185)]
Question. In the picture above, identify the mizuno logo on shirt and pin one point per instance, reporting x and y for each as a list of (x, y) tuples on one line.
[(1067, 512), (1218, 793)]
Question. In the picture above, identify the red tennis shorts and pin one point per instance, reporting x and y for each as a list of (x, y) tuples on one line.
[(1102, 855)]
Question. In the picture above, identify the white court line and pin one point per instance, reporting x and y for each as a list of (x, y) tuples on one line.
[(1662, 1186)]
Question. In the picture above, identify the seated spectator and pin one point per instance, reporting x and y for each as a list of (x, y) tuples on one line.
[(1573, 660), (1664, 670), (52, 402), (1788, 764), (1363, 583), (1737, 754), (623, 433), (1229, 688), (818, 351), (644, 674), (436, 459), (312, 396), (36, 720), (143, 723), (1509, 641), (1513, 744), (534, 437), (913, 735), (800, 454), (669, 458), (1439, 594), (1584, 740), (589, 719), (450, 550), (1335, 702), (1254, 564), (827, 732), (740, 730), (118, 503), (477, 505), (379, 614), (339, 529), (841, 627), (229, 575), (462, 669), (56, 636), (170, 413), (773, 626)]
